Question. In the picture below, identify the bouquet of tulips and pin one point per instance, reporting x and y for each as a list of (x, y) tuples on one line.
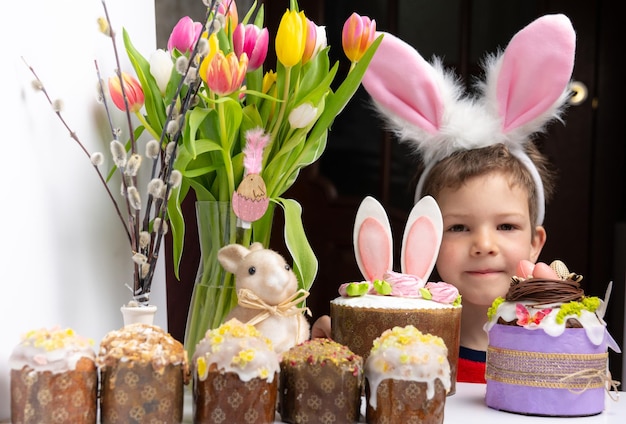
[(243, 104)]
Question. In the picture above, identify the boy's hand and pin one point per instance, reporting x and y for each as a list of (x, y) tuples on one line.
[(321, 327)]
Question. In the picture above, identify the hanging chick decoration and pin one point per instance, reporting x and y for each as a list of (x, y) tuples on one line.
[(250, 199)]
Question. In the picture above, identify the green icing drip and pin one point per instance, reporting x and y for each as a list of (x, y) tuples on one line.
[(491, 312)]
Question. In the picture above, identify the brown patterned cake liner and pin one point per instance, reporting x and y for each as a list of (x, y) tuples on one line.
[(136, 393), (224, 398), (44, 397), (319, 393), (405, 402)]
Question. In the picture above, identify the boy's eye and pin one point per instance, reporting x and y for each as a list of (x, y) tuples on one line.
[(506, 227), (457, 228)]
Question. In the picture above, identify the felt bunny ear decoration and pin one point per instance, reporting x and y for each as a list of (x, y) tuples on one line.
[(526, 86), (373, 243)]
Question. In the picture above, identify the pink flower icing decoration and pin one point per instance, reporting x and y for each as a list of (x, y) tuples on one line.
[(442, 292), (404, 285)]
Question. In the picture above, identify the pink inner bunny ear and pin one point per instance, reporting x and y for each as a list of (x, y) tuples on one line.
[(536, 68), (403, 83), (422, 238), (421, 245), (373, 242), (374, 248)]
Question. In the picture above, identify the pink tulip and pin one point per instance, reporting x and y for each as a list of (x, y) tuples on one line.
[(225, 74), (357, 35), (315, 41), (253, 41), (184, 35), (442, 292), (132, 90)]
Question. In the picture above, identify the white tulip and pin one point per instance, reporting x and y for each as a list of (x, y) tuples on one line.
[(302, 116), (161, 68)]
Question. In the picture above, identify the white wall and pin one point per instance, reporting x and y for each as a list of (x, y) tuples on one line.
[(65, 258)]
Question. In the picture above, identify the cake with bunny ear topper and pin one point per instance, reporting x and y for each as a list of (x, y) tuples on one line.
[(548, 345), (385, 299)]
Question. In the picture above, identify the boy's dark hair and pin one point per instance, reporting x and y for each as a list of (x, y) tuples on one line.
[(453, 171)]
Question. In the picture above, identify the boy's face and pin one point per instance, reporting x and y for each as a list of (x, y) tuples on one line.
[(486, 232)]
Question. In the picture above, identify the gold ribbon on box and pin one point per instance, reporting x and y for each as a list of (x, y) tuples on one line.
[(288, 307)]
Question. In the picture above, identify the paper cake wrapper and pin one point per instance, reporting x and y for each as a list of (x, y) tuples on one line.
[(223, 398), (530, 372), (134, 392), (68, 397), (319, 392), (399, 401)]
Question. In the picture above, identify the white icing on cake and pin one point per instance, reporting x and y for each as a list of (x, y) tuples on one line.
[(594, 328), (238, 348), (390, 302), (405, 353), (54, 350)]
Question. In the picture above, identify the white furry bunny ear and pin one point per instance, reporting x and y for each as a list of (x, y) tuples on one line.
[(373, 243), (422, 238)]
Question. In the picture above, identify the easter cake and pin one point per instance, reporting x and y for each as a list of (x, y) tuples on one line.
[(407, 378), (143, 372), (387, 299), (320, 381), (235, 375), (53, 377), (548, 343)]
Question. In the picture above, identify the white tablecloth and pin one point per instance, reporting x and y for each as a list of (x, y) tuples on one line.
[(467, 406)]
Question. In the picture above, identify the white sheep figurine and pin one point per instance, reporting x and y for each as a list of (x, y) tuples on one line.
[(268, 295)]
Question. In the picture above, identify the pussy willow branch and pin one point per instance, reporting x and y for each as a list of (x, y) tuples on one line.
[(74, 136), (186, 105), (134, 216)]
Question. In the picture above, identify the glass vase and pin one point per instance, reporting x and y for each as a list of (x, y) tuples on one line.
[(214, 292)]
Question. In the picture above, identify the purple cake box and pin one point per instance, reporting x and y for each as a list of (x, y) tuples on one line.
[(521, 361)]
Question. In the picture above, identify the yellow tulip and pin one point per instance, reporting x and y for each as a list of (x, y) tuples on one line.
[(269, 79), (291, 38)]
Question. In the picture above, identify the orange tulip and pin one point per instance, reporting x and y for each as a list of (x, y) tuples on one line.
[(132, 90), (225, 74)]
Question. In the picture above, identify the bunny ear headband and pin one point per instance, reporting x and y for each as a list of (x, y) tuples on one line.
[(525, 87)]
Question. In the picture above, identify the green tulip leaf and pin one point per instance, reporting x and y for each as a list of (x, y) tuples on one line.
[(305, 263)]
